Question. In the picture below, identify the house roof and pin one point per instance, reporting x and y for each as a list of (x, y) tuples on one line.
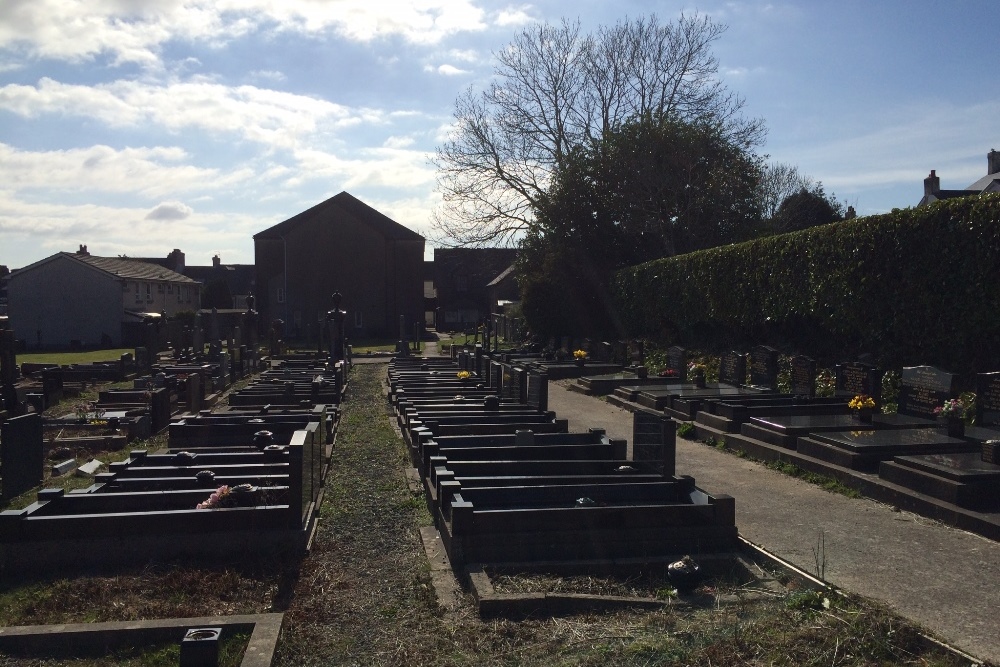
[(983, 183), (239, 277), (340, 205), (128, 269)]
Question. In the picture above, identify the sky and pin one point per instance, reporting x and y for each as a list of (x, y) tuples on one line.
[(139, 126)]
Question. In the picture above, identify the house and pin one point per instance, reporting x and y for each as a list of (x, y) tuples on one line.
[(224, 286), (988, 183), (462, 278), (340, 245), (78, 299)]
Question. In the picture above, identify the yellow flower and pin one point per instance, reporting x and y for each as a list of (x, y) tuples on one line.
[(464, 375), (579, 354), (862, 402)]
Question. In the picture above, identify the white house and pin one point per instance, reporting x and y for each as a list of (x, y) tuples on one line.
[(72, 297)]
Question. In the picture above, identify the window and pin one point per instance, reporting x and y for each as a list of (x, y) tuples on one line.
[(170, 288), (358, 320), (178, 294), (159, 288), (149, 292), (187, 294), (281, 295)]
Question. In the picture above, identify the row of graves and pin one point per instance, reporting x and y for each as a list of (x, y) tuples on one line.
[(511, 488), (916, 458), (256, 459)]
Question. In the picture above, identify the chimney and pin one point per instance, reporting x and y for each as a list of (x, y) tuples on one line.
[(82, 250), (176, 261), (932, 184), (993, 161), (216, 261)]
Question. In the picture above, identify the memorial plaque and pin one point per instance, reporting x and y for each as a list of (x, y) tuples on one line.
[(677, 362), (733, 369), (764, 367), (988, 399), (855, 378), (924, 388), (803, 376)]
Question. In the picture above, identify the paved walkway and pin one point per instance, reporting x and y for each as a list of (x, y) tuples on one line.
[(945, 579)]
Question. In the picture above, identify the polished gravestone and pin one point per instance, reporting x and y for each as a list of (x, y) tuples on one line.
[(784, 430), (864, 450), (962, 479)]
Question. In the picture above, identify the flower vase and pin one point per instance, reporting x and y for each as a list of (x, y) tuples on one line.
[(956, 427), (581, 362), (864, 415)]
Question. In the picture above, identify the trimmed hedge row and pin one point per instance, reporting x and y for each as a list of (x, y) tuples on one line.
[(913, 286)]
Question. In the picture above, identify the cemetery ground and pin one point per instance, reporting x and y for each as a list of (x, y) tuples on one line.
[(366, 593)]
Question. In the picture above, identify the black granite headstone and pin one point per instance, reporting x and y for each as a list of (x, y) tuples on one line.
[(21, 456), (924, 388), (733, 369), (855, 378), (677, 362), (764, 367), (988, 399), (803, 376)]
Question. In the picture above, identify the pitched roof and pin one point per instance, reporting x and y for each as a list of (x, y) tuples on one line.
[(129, 269), (340, 205)]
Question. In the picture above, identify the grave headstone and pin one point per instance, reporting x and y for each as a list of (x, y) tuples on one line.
[(142, 363), (198, 335), (21, 456), (677, 362), (637, 353), (733, 368), (538, 391), (855, 378), (803, 376), (215, 331), (988, 399), (764, 367), (924, 388)]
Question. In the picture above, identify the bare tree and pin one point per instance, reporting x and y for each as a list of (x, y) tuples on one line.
[(778, 181), (555, 89)]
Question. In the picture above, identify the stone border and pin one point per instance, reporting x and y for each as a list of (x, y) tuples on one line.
[(519, 605), (91, 638)]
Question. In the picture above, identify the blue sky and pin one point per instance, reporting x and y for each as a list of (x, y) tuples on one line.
[(139, 126)]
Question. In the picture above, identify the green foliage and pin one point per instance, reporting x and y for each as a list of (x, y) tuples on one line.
[(809, 207), (911, 286), (686, 430)]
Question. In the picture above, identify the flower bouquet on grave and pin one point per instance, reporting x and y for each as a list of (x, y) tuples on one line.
[(668, 373), (463, 375), (221, 497), (864, 407), (696, 372), (953, 413), (580, 356)]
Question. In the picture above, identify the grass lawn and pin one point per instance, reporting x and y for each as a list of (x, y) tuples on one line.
[(66, 358)]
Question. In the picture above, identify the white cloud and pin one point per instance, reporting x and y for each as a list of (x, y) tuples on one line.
[(110, 230), (173, 210), (149, 172), (514, 16), (445, 70), (261, 115), (135, 32)]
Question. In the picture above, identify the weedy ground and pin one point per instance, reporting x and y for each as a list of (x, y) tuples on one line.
[(363, 595)]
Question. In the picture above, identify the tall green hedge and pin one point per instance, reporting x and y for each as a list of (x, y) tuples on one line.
[(913, 286)]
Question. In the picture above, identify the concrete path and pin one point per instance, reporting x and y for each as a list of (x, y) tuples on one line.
[(944, 579)]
